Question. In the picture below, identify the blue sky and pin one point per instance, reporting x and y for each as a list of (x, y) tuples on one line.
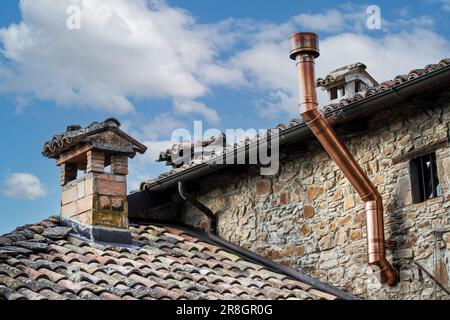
[(158, 66)]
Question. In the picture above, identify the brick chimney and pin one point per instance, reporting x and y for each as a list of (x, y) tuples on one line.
[(95, 204), (345, 82)]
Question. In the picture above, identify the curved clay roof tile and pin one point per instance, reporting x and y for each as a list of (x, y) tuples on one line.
[(386, 86), (398, 80), (358, 96), (430, 68), (331, 107), (320, 82), (415, 74), (329, 79), (344, 102), (371, 91), (295, 122), (444, 62)]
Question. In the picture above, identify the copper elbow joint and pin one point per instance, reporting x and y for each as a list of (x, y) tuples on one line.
[(388, 275)]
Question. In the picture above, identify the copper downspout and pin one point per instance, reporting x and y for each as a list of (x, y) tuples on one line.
[(304, 50)]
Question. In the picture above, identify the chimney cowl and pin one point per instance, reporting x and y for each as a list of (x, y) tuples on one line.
[(304, 42)]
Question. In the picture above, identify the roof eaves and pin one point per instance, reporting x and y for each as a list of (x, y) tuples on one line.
[(343, 110)]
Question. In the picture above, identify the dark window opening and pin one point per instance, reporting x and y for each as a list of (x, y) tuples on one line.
[(424, 178), (333, 93), (337, 92)]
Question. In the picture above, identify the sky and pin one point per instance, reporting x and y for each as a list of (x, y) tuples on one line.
[(161, 65)]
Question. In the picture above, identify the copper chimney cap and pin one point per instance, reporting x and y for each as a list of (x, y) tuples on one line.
[(304, 42)]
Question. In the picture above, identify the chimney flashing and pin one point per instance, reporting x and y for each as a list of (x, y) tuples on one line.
[(99, 234)]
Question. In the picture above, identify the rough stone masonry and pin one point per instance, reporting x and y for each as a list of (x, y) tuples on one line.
[(95, 204), (308, 216)]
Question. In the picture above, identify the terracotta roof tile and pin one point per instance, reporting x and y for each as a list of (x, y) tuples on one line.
[(109, 296), (87, 295), (11, 283), (11, 271), (31, 295), (322, 295), (34, 274), (76, 134), (51, 295), (52, 276), (10, 294), (45, 284), (167, 264), (231, 257)]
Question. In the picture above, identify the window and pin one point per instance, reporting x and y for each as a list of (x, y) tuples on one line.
[(337, 92), (333, 93), (424, 179)]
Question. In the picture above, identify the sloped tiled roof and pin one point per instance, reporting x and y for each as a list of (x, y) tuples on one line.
[(76, 134), (43, 261), (330, 109)]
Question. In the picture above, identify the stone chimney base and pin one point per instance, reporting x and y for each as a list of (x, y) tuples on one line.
[(96, 206)]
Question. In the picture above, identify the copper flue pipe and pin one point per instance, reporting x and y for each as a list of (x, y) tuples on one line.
[(304, 50)]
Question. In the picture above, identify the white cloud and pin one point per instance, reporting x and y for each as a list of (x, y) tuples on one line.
[(446, 5), (143, 49), (279, 101), (190, 106), (133, 48), (332, 20), (144, 167), (22, 103), (162, 125), (23, 186), (267, 65), (420, 21), (386, 56)]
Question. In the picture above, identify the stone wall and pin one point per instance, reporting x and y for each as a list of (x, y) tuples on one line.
[(308, 216)]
